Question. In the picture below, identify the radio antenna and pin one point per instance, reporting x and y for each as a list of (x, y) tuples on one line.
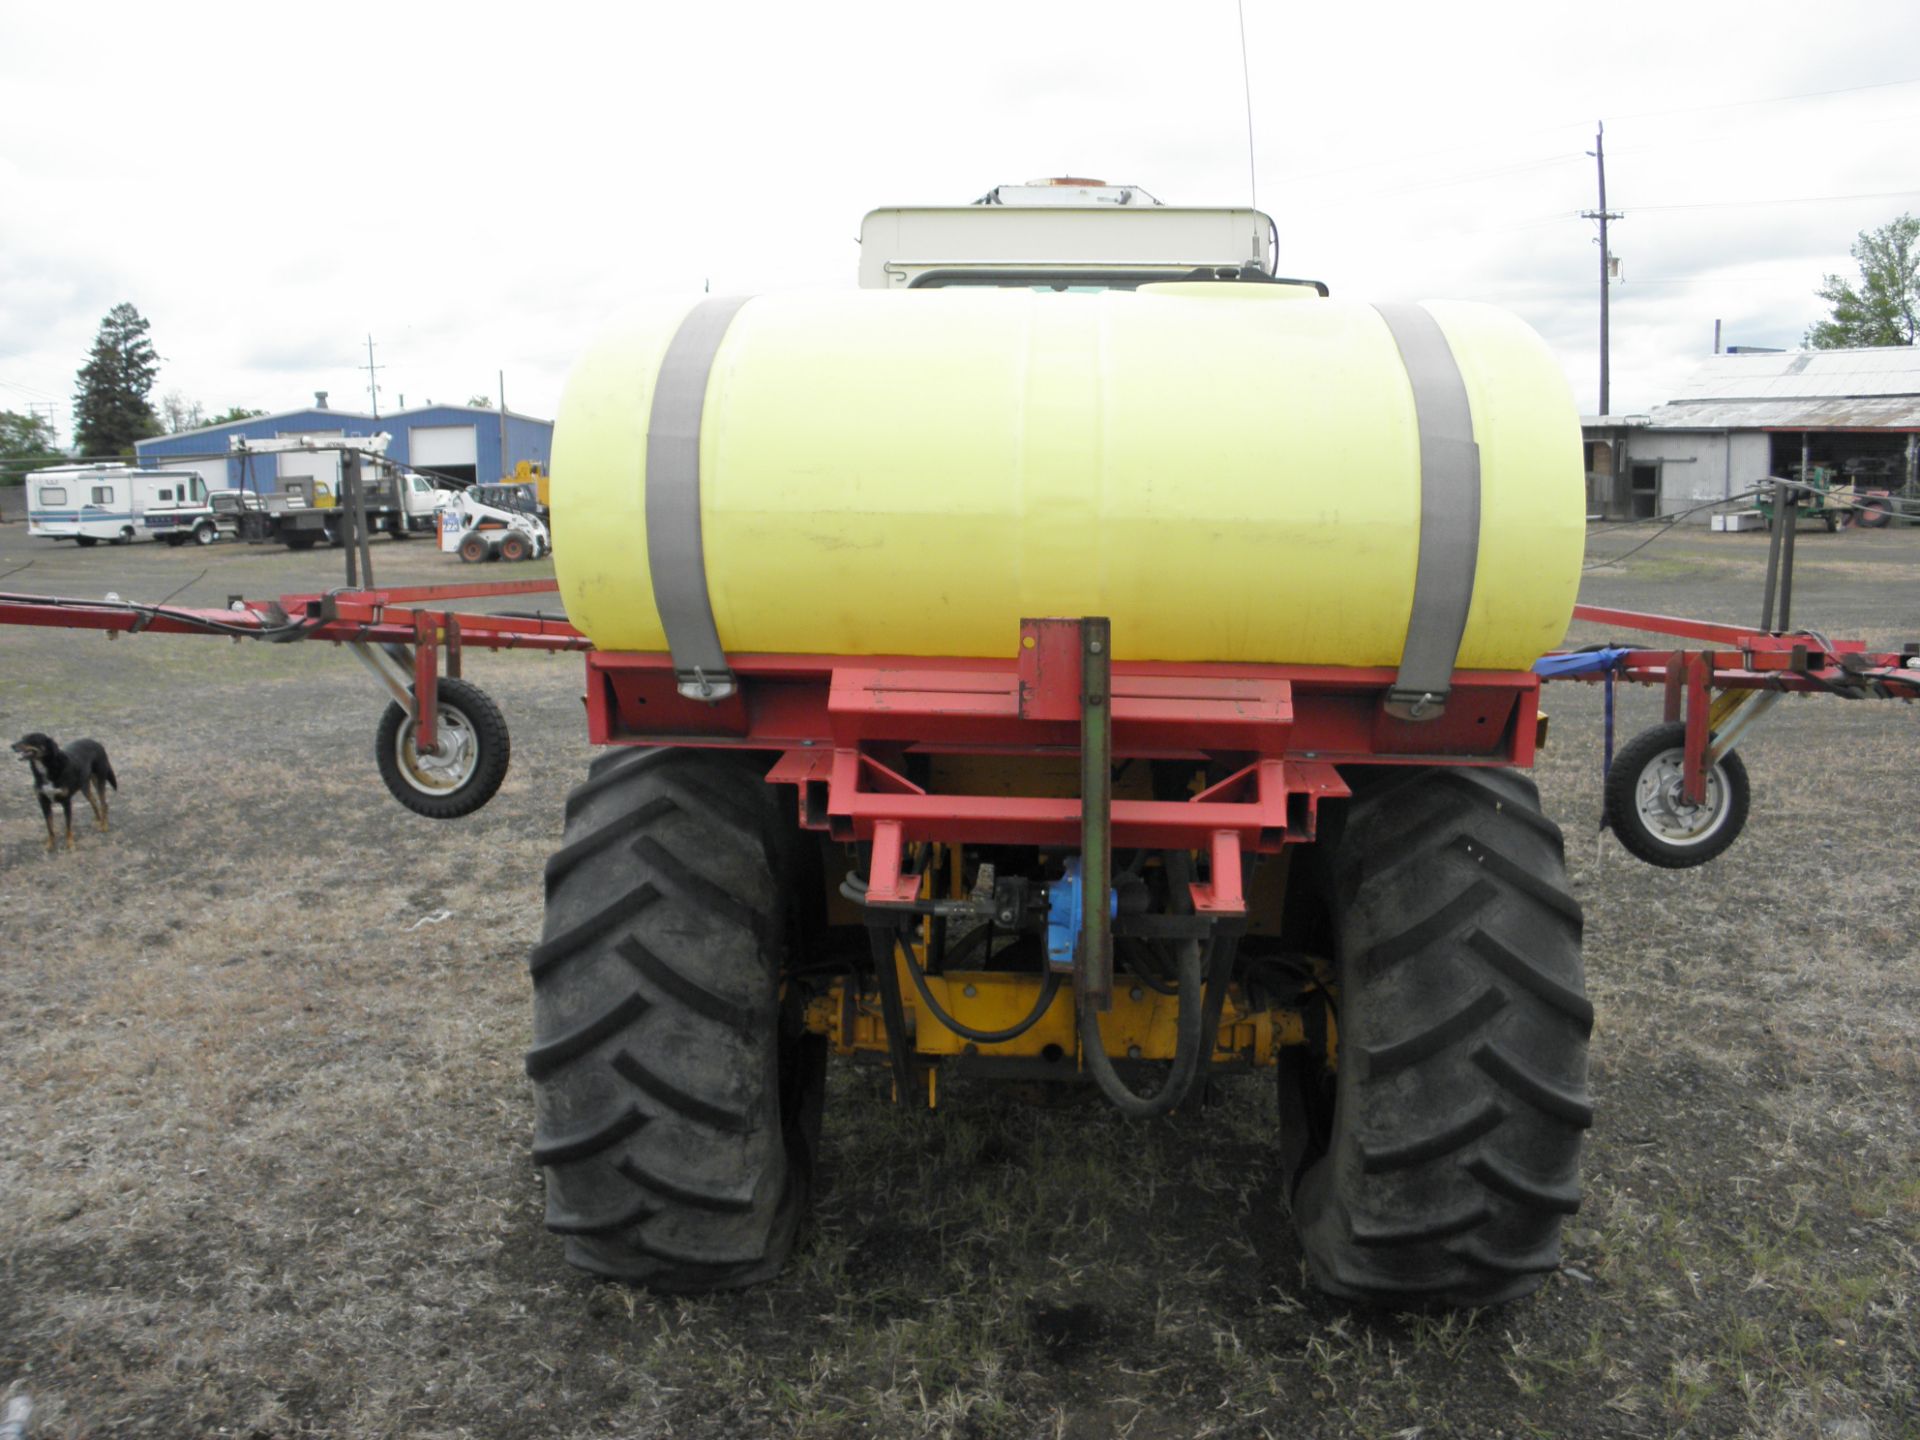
[(1246, 81)]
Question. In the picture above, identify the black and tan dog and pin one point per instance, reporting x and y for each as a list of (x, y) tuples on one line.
[(58, 775)]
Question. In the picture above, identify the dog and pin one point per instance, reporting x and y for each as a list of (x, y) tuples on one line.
[(58, 775)]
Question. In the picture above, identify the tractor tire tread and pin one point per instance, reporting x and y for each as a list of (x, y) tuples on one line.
[(1457, 1124), (657, 1059)]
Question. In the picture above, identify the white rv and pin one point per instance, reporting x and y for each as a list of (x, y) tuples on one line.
[(118, 503)]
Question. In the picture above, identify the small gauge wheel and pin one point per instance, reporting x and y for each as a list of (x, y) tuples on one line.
[(466, 765), (1648, 809)]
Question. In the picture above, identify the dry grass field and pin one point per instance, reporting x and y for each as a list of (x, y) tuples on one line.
[(264, 1130)]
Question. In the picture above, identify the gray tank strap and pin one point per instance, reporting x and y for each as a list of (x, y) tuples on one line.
[(1449, 515), (676, 556)]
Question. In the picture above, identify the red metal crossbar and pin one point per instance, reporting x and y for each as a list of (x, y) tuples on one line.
[(846, 729)]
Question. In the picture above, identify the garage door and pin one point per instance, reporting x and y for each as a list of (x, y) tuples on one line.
[(439, 446)]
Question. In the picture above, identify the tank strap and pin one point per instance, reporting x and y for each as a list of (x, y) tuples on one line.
[(676, 554), (1449, 515)]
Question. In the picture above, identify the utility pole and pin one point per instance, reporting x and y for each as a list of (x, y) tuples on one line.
[(1603, 215), (505, 469), (373, 388), (47, 410)]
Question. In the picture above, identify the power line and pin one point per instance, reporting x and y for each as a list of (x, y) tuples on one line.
[(30, 390), (1531, 222), (1768, 100), (1575, 124), (1779, 200)]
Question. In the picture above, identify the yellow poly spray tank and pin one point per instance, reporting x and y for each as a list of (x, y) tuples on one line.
[(1230, 471)]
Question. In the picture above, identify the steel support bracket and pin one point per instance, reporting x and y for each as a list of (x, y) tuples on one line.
[(1094, 974)]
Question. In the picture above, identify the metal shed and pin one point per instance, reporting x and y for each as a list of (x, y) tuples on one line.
[(464, 443), (1742, 417)]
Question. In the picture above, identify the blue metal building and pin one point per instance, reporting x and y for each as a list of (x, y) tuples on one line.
[(459, 442)]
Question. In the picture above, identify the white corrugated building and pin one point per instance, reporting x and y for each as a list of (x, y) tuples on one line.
[(1742, 417)]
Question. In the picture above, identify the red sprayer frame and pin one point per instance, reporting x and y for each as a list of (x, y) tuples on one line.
[(844, 727)]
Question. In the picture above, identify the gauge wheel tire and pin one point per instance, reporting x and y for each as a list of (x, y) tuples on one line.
[(1436, 1167), (474, 549), (205, 533), (677, 1098), (472, 761), (514, 547), (1639, 787)]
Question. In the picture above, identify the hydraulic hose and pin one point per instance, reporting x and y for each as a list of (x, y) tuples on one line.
[(1190, 1040), (855, 889), (1049, 989)]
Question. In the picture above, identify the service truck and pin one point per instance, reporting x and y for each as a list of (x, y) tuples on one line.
[(305, 511)]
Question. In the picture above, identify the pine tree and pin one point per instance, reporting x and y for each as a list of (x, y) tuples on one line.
[(110, 408)]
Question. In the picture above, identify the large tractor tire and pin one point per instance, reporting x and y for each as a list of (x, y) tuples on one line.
[(1438, 1165), (677, 1099)]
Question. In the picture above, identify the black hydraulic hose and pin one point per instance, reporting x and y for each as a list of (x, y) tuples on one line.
[(1049, 989), (855, 889), (1189, 1042), (1145, 965)]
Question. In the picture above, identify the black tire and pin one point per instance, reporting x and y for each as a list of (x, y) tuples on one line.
[(86, 542), (1645, 769), (1451, 1151), (1832, 520), (677, 1099), (468, 774), (173, 542), (475, 548), (1876, 512), (304, 541), (205, 533)]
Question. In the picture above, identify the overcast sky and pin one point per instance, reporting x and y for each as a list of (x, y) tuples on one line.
[(480, 187)]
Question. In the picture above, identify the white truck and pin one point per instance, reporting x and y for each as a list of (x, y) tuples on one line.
[(306, 511), (119, 504)]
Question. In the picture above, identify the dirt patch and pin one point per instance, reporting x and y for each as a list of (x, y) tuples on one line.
[(264, 1132)]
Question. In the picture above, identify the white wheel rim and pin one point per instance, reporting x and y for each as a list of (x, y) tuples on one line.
[(447, 768), (1663, 808)]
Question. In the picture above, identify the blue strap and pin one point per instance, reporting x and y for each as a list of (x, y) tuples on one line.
[(1578, 662)]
